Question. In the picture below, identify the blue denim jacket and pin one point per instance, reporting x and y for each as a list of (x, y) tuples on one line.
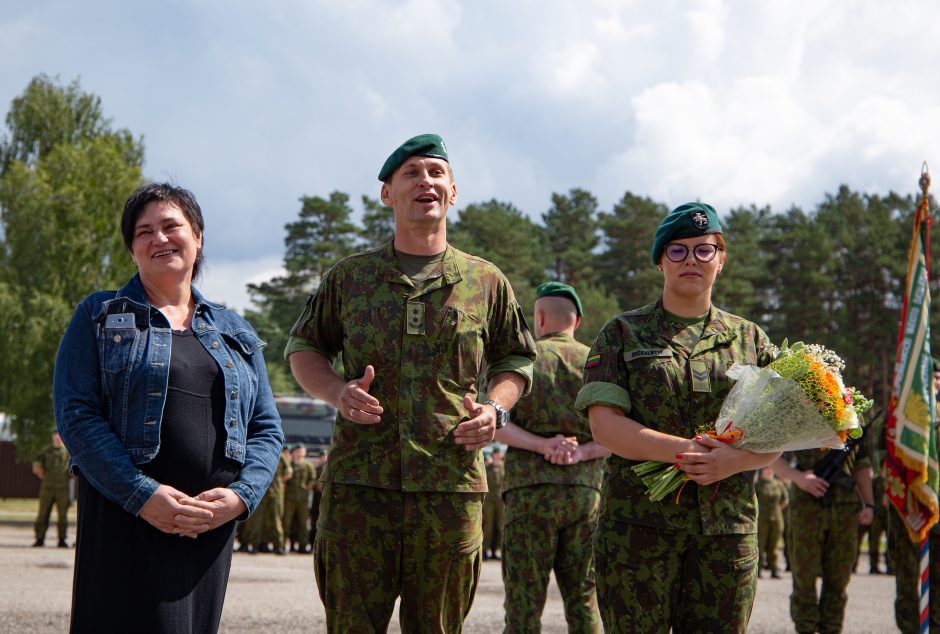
[(110, 386)]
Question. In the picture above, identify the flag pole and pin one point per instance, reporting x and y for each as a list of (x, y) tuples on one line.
[(923, 215)]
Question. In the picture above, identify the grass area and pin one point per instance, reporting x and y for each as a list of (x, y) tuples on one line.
[(26, 509)]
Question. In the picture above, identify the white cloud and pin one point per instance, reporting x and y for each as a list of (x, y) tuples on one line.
[(225, 281)]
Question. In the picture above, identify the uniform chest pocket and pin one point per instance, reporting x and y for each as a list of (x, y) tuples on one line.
[(650, 373), (460, 344)]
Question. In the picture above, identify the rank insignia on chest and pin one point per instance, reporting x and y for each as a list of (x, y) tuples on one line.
[(700, 382), (415, 322)]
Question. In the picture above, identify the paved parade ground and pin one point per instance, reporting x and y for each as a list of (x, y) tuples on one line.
[(269, 593)]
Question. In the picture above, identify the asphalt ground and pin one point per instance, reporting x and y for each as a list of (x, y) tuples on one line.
[(271, 593)]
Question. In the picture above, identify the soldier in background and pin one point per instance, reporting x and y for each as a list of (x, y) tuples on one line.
[(823, 532), (493, 506), (265, 527), (51, 466), (297, 500), (772, 498), (553, 477)]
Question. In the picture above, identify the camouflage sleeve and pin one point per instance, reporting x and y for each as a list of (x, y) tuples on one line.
[(862, 457), (605, 373), (509, 346), (319, 327)]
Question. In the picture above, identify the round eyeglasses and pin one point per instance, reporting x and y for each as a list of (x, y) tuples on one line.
[(703, 252)]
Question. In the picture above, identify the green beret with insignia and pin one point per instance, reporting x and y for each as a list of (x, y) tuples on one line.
[(559, 289), (690, 220), (430, 145)]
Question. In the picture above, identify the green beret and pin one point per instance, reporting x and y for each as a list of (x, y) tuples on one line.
[(936, 364), (559, 289), (685, 221), (431, 145)]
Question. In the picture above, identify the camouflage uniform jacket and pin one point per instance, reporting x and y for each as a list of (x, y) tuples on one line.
[(549, 410), (430, 345), (636, 366), (495, 475), (55, 464), (772, 496), (277, 484), (298, 487)]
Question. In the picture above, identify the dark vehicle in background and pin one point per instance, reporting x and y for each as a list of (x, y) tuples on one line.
[(306, 420)]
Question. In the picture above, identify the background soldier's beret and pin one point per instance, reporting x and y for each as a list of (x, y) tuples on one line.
[(559, 289), (431, 145), (936, 364), (685, 221)]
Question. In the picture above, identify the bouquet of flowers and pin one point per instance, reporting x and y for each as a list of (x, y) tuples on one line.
[(796, 402)]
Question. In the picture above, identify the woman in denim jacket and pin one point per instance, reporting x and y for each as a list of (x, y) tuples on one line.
[(163, 401)]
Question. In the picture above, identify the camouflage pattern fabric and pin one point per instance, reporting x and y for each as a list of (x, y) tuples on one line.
[(464, 320), (905, 556), (297, 503), (772, 496), (651, 579), (373, 543), (642, 363), (53, 491), (550, 527), (493, 509), (266, 523), (549, 410), (823, 543), (643, 370)]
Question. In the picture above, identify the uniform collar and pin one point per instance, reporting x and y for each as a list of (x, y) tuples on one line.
[(389, 270)]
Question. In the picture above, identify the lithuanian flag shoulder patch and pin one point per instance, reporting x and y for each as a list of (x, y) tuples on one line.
[(592, 361)]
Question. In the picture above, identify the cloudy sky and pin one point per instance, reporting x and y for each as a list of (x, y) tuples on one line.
[(252, 105)]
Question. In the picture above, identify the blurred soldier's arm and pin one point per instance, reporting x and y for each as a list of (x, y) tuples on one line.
[(805, 480), (588, 451), (38, 470), (515, 436), (862, 477)]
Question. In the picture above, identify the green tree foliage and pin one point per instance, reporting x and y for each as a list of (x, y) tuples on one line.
[(378, 222), (571, 225), (746, 263), (322, 235), (501, 233), (65, 176), (624, 263)]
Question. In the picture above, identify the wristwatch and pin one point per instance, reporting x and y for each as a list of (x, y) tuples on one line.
[(502, 416)]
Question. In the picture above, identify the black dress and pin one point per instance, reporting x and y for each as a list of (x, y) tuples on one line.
[(131, 577)]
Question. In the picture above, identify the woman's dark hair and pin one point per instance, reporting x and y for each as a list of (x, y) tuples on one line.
[(162, 192)]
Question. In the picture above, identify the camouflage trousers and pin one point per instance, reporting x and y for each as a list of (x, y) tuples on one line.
[(768, 539), (492, 523), (549, 527), (905, 556), (374, 545), (651, 579), (823, 543), (297, 519), (49, 496), (266, 525)]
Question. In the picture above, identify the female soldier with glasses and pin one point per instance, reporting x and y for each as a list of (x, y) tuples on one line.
[(654, 380)]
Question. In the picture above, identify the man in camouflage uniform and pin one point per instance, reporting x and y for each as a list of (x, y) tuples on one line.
[(51, 465), (265, 527), (297, 500), (824, 520), (905, 557), (553, 478), (493, 506), (417, 323), (772, 498)]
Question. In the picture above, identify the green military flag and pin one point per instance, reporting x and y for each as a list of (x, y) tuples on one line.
[(912, 475)]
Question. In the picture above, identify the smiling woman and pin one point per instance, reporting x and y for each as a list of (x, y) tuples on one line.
[(162, 399), (654, 378)]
